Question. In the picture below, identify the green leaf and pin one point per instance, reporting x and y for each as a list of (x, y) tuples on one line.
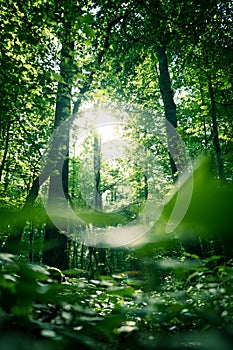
[(121, 291)]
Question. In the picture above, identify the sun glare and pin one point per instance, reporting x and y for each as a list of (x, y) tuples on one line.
[(110, 124), (108, 132)]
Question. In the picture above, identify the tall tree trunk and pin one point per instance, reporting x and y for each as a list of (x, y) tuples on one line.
[(215, 130), (168, 102), (97, 166), (82, 257), (178, 160), (5, 149), (55, 242), (203, 118), (100, 252)]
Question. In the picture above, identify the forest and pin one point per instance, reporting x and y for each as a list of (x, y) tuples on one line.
[(116, 169)]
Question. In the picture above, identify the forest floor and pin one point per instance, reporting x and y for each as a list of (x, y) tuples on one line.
[(191, 309)]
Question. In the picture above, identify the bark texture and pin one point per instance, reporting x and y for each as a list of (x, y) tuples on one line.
[(177, 155)]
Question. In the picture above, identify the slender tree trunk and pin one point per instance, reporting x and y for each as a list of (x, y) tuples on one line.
[(97, 165), (74, 257), (31, 235), (178, 160), (165, 86), (203, 118), (146, 192), (5, 149), (169, 104), (100, 252), (215, 130), (82, 257), (90, 265)]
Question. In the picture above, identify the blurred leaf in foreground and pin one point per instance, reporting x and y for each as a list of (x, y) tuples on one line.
[(208, 215)]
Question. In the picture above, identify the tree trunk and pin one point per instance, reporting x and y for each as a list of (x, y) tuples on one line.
[(82, 257), (97, 165), (5, 149), (168, 102), (204, 118), (215, 130), (55, 242), (100, 252), (178, 159)]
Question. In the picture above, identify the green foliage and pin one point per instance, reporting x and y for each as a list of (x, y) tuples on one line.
[(170, 299), (195, 301), (182, 301)]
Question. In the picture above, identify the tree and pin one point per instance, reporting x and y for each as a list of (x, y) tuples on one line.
[(53, 238), (64, 23), (161, 39), (174, 58), (182, 32), (27, 93), (55, 250)]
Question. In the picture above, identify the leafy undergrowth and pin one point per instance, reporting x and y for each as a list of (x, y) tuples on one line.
[(192, 308)]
